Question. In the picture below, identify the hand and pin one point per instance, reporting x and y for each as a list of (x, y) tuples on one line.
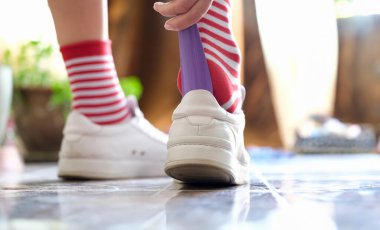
[(182, 13)]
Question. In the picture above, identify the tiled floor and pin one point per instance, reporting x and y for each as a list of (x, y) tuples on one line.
[(314, 192)]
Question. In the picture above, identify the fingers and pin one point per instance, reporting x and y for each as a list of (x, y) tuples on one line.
[(174, 7), (187, 19)]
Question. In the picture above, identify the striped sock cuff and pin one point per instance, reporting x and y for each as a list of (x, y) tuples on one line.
[(94, 84)]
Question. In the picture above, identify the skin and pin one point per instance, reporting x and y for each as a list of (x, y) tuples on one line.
[(81, 20), (182, 13)]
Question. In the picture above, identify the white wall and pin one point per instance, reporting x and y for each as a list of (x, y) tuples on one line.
[(24, 20)]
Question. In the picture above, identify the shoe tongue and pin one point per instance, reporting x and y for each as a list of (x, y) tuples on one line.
[(133, 105), (243, 93)]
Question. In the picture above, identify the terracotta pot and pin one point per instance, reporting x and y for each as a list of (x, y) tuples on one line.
[(39, 126)]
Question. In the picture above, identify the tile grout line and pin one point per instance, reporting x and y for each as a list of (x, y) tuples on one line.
[(157, 217), (161, 190), (274, 192), (151, 222)]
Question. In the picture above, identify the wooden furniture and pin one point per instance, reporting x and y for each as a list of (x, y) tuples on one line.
[(143, 48), (358, 92)]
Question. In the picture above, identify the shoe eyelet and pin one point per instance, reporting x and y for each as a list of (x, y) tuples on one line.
[(142, 153), (134, 152)]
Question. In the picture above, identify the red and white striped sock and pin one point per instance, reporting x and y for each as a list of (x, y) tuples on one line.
[(222, 54), (94, 83)]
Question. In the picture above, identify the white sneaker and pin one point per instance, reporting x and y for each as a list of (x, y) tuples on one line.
[(206, 143), (128, 150)]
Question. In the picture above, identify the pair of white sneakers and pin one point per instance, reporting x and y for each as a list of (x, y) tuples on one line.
[(205, 145)]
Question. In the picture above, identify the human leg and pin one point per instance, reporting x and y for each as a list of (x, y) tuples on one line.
[(83, 36), (210, 38), (77, 21), (206, 138), (106, 136)]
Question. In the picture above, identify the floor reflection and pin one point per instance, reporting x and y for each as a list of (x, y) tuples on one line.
[(208, 208), (285, 194)]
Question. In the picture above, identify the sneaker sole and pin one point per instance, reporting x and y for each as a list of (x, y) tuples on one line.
[(201, 164), (103, 169)]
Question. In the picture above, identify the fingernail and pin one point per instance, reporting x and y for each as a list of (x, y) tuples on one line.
[(169, 27), (156, 4)]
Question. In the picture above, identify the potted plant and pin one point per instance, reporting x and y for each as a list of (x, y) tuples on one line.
[(42, 101)]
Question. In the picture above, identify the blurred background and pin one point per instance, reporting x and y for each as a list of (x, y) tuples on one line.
[(317, 60)]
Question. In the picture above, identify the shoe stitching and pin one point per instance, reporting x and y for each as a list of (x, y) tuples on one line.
[(192, 144)]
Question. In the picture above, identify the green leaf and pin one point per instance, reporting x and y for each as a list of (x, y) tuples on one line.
[(7, 55), (27, 64), (131, 85), (61, 96)]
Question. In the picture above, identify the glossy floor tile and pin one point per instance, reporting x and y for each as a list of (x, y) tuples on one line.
[(303, 192)]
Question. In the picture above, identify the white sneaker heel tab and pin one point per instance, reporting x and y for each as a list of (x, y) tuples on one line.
[(201, 103), (77, 123)]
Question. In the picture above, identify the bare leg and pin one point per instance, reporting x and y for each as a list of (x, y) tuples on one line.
[(210, 84), (82, 31), (80, 20), (112, 136)]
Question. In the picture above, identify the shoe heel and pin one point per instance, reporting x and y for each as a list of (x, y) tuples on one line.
[(201, 164)]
